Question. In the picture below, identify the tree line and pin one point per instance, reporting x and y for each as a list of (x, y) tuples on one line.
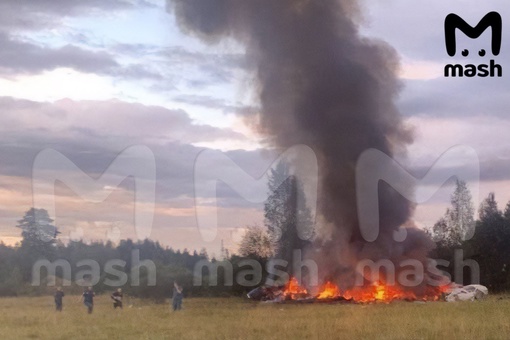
[(17, 263), (482, 245)]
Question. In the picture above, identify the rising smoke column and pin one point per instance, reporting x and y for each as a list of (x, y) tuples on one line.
[(321, 84)]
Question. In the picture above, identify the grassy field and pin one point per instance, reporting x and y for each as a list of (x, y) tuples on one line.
[(34, 318)]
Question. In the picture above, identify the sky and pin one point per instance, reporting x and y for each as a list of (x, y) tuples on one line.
[(90, 79)]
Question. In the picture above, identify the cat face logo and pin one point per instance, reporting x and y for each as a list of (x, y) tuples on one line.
[(453, 21), (491, 69)]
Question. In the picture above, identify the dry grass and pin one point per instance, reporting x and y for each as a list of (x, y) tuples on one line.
[(34, 318)]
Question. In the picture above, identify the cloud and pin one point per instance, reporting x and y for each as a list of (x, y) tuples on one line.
[(135, 49), (23, 58), (93, 133), (31, 15), (456, 97), (162, 69), (22, 54), (112, 119), (206, 68), (17, 57), (216, 103), (487, 135)]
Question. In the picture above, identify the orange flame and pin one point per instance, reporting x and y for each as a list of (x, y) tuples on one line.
[(329, 291), (293, 290), (378, 291)]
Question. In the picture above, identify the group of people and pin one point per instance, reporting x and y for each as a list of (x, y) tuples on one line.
[(88, 299), (117, 296)]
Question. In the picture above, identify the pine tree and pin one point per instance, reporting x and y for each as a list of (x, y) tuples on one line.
[(489, 209), (39, 238), (458, 223), (462, 213), (285, 210), (38, 232)]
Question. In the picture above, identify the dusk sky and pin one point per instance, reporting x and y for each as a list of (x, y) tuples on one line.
[(92, 78)]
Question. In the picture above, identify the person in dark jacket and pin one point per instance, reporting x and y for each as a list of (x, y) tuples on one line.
[(117, 298), (177, 297), (59, 294), (88, 299)]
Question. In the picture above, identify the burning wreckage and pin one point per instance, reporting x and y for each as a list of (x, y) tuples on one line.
[(379, 292)]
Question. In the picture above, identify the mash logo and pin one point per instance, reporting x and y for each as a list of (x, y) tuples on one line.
[(454, 22)]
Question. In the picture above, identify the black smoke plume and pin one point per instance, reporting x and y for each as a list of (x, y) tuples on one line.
[(323, 85)]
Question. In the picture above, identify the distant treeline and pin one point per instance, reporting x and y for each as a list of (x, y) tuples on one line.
[(17, 265)]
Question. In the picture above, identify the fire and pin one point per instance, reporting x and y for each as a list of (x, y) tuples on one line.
[(293, 290), (377, 292), (329, 291), (380, 292)]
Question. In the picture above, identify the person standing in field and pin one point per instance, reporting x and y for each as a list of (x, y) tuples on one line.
[(117, 298), (59, 294), (177, 297), (88, 299)]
